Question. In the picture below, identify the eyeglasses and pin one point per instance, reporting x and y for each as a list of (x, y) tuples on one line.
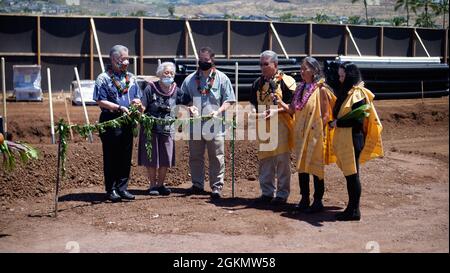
[(264, 64)]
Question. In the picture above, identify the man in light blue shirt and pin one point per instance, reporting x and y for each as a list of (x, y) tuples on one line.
[(211, 94)]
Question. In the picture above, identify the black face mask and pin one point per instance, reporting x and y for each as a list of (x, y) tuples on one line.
[(204, 66)]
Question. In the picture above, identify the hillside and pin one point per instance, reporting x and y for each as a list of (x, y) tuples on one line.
[(382, 10)]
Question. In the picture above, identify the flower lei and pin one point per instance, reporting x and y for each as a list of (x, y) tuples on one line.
[(209, 82), (301, 97), (263, 95), (117, 83)]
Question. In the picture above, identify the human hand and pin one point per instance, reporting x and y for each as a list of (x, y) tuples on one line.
[(270, 113), (214, 114), (138, 104), (332, 123), (275, 98), (125, 110), (194, 111)]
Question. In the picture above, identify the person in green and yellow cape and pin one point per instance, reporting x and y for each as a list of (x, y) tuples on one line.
[(357, 137), (274, 153), (312, 109)]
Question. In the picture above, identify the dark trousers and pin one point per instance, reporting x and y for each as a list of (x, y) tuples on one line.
[(319, 186), (353, 182), (117, 151)]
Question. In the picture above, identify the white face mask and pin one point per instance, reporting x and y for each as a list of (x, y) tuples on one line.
[(167, 81), (122, 65)]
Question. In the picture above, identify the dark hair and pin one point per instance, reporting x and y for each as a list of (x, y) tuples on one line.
[(330, 70), (207, 49), (352, 75)]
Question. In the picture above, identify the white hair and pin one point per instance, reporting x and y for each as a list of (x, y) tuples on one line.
[(273, 57), (162, 67), (115, 51)]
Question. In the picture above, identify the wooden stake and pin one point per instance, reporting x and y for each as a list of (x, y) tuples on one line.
[(236, 85), (58, 171), (67, 113), (82, 101), (421, 83), (5, 124), (50, 102), (235, 121)]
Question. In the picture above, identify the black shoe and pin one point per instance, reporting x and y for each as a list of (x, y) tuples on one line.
[(278, 201), (163, 190), (126, 195), (317, 206), (153, 191), (216, 194), (196, 190), (349, 215), (263, 200), (113, 196), (303, 205)]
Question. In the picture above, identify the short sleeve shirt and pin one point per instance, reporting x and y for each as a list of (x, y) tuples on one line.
[(106, 90)]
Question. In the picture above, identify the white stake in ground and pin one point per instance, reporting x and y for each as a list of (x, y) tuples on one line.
[(50, 102), (5, 124), (82, 101)]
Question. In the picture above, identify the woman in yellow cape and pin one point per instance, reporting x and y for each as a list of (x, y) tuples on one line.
[(312, 109), (357, 137)]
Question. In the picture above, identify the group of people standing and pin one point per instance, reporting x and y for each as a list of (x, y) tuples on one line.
[(308, 117)]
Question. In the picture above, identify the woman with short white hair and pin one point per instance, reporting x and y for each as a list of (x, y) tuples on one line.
[(159, 98)]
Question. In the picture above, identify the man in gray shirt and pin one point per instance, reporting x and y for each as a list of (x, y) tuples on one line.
[(211, 94)]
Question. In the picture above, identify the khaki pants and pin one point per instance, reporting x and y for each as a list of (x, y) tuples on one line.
[(278, 166), (215, 149)]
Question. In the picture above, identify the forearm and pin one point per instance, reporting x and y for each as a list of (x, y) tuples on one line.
[(108, 105), (224, 107), (284, 107)]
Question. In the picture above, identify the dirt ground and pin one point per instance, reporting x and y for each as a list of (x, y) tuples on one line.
[(404, 204)]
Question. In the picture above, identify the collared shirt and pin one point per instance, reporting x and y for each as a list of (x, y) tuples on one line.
[(220, 92), (105, 90)]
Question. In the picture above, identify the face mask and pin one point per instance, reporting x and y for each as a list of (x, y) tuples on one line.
[(123, 65), (204, 65), (167, 81)]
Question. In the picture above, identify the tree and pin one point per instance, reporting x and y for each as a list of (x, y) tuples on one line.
[(365, 7), (139, 13), (408, 5), (398, 21), (425, 19), (286, 17), (426, 5), (321, 18), (354, 20), (441, 8), (371, 21), (171, 9)]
